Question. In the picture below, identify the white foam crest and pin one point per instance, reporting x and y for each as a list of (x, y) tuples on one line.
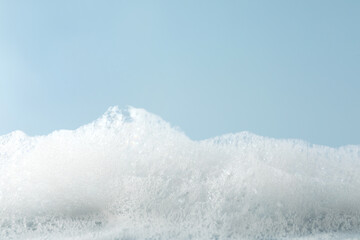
[(130, 175)]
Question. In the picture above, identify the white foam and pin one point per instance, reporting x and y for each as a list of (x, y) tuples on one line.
[(130, 175)]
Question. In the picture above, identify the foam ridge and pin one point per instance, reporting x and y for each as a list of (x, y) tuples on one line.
[(131, 175)]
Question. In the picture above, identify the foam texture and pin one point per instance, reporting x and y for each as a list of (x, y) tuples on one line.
[(130, 175)]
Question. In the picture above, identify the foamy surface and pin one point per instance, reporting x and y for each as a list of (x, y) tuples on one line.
[(130, 175)]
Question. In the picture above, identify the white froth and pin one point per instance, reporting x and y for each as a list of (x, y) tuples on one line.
[(130, 175)]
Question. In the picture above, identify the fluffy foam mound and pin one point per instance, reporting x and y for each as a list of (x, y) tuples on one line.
[(130, 175)]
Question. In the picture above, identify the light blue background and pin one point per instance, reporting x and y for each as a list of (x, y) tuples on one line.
[(284, 69)]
